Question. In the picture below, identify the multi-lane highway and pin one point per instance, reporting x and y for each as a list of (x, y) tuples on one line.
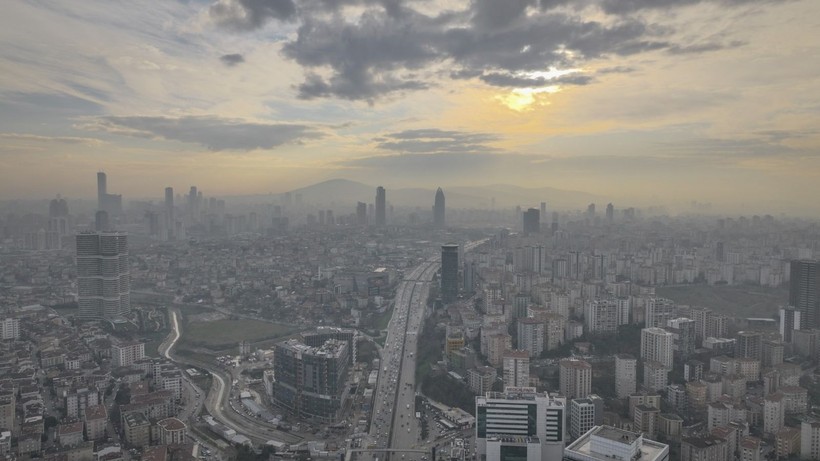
[(394, 423)]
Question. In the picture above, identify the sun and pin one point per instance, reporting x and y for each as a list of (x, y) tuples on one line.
[(522, 99)]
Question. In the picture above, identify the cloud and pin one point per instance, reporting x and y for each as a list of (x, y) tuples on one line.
[(231, 60), (622, 7), (215, 133), (510, 80), (241, 15), (435, 141), (51, 139), (704, 47)]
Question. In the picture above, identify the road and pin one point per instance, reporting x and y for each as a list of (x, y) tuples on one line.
[(394, 423), (219, 394)]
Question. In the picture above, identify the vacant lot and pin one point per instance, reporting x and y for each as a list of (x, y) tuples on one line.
[(220, 333), (734, 301)]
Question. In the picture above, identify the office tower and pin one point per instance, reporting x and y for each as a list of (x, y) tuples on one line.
[(103, 278), (656, 345), (381, 207), (470, 273), (626, 381), (516, 368), (543, 209), (584, 414), (606, 443), (683, 336), (610, 212), (524, 413), (601, 316), (102, 190), (804, 292), (789, 321), (170, 219), (720, 254), (449, 272), (101, 222), (361, 214), (658, 312), (311, 382), (591, 211), (749, 344), (438, 209), (575, 378), (531, 221), (531, 336)]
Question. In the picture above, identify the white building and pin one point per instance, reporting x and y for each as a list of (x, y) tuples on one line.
[(10, 328), (606, 443), (810, 440), (601, 316), (516, 369), (584, 414), (502, 448), (774, 413), (656, 345), (521, 412), (531, 336), (126, 354)]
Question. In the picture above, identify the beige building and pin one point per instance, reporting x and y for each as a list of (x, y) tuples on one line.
[(575, 378), (96, 420), (171, 431), (516, 369), (774, 413)]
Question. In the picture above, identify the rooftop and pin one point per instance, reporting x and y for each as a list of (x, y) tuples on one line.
[(581, 449)]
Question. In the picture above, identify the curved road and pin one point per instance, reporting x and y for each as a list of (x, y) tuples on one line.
[(257, 430)]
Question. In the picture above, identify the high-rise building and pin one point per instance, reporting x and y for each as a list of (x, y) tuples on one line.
[(774, 413), (749, 344), (683, 336), (103, 277), (575, 378), (626, 381), (361, 214), (656, 345), (516, 368), (789, 321), (110, 203), (438, 209), (311, 382), (127, 353), (610, 212), (449, 272), (655, 375), (531, 336), (804, 292), (531, 221), (170, 219), (810, 439), (658, 312), (381, 207), (601, 316), (10, 328), (521, 412), (584, 414)]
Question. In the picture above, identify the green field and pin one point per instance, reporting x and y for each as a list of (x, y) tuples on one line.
[(220, 333), (734, 301)]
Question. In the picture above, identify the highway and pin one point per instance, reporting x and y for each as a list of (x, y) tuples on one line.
[(394, 423)]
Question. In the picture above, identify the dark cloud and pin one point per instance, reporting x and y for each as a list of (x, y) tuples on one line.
[(250, 14), (231, 60), (389, 46), (616, 70), (435, 141), (215, 133), (508, 80)]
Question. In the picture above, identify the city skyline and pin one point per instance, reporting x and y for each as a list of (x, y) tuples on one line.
[(709, 101)]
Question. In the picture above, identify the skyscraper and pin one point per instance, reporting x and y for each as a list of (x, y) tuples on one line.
[(610, 212), (361, 214), (438, 209), (103, 278), (449, 272), (789, 321), (102, 189), (381, 207), (170, 220), (804, 292), (531, 221)]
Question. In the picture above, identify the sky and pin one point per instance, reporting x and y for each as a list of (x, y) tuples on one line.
[(638, 100)]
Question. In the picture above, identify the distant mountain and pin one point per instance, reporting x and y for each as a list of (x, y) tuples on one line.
[(344, 192)]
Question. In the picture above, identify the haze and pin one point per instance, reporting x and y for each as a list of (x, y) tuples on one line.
[(714, 101)]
